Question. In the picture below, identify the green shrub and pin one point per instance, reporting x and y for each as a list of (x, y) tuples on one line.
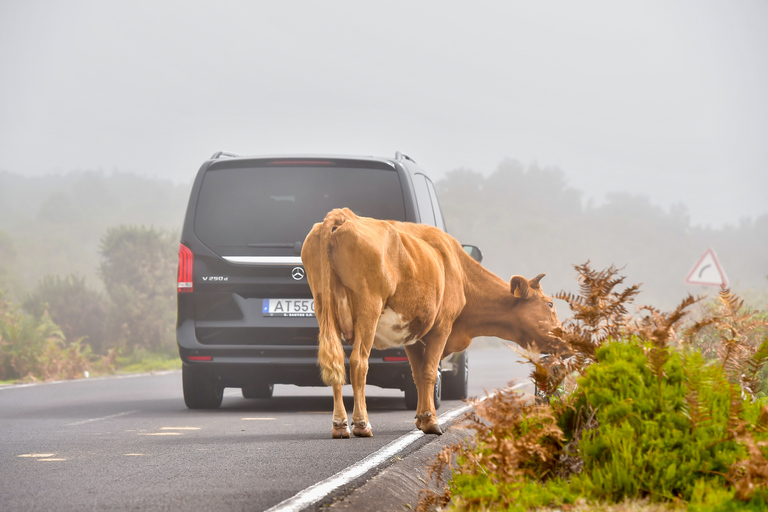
[(34, 348), (680, 439), (641, 414), (650, 442)]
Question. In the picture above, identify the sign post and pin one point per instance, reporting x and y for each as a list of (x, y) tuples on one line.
[(707, 271)]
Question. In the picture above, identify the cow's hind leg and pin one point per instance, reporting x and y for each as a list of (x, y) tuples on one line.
[(365, 328), (340, 424), (358, 366)]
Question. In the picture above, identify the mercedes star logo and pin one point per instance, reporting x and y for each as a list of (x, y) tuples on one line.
[(297, 273)]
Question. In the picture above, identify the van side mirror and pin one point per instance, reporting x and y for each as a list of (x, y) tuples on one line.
[(474, 252)]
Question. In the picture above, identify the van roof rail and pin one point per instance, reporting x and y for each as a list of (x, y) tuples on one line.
[(220, 154), (403, 156)]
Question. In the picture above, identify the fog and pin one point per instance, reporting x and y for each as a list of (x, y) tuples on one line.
[(662, 99)]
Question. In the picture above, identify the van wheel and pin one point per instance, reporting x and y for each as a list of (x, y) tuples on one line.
[(200, 391), (412, 395), (258, 391), (456, 385)]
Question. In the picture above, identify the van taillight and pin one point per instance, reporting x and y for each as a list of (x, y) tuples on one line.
[(186, 269)]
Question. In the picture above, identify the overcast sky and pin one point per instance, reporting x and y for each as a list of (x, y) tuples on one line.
[(668, 99)]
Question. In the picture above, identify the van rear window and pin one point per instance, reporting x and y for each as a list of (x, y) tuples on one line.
[(266, 210)]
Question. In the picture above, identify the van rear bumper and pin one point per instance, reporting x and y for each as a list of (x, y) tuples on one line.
[(239, 372), (242, 366)]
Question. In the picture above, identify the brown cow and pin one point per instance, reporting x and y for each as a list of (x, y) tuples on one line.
[(382, 284)]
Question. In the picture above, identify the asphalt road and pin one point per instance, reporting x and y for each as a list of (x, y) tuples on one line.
[(129, 443)]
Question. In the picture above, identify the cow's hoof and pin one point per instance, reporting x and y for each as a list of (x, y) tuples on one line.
[(362, 429), (340, 430), (427, 423), (339, 433)]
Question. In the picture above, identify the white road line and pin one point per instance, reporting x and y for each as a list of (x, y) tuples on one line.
[(320, 490), (98, 419), (5, 387)]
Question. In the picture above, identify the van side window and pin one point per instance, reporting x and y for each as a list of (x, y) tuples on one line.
[(422, 199), (436, 206)]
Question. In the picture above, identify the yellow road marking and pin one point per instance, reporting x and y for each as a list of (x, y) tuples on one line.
[(37, 455)]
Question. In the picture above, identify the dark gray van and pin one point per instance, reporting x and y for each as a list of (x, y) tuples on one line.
[(245, 310)]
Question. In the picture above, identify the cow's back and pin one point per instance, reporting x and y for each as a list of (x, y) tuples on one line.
[(412, 268)]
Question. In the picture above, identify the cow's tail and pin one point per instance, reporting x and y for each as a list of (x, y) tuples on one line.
[(330, 355)]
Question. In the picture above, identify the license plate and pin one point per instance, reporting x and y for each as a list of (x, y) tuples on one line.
[(288, 307)]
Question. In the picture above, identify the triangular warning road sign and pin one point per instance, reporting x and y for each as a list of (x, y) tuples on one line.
[(707, 271)]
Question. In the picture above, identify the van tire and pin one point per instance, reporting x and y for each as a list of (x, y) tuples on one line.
[(200, 390), (456, 385), (412, 395)]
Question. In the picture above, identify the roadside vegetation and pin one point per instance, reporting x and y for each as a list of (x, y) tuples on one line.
[(94, 253), (652, 411), (65, 329)]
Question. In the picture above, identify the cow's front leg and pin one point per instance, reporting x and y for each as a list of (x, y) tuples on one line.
[(426, 415), (416, 359), (358, 370), (425, 361), (340, 425)]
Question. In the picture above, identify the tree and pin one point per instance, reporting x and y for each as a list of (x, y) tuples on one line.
[(79, 310), (9, 278), (138, 270), (529, 220)]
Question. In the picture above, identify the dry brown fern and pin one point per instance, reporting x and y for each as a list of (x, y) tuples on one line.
[(599, 313), (698, 414), (750, 379), (437, 471), (519, 441), (751, 473), (731, 333), (659, 329)]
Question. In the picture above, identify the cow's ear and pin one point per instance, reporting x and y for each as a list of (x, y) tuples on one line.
[(519, 287), (534, 283)]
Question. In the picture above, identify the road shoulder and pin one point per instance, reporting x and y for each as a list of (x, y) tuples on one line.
[(398, 486)]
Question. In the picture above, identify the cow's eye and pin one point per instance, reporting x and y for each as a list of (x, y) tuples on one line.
[(550, 304)]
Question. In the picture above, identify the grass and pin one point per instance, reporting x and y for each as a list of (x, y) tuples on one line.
[(142, 361), (625, 506), (139, 361)]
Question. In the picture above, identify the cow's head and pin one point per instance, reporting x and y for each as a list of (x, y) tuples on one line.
[(536, 316)]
